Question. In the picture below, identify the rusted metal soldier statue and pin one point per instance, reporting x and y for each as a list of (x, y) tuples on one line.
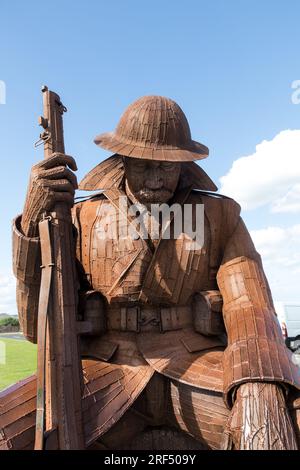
[(184, 349)]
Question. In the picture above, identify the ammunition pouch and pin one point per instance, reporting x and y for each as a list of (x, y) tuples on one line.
[(207, 313), (92, 308), (204, 314)]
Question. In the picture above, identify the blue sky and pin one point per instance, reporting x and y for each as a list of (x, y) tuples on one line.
[(229, 64)]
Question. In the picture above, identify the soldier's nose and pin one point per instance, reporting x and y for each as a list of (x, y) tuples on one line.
[(154, 183)]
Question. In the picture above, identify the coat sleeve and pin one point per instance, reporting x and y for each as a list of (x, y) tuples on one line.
[(26, 268), (256, 350)]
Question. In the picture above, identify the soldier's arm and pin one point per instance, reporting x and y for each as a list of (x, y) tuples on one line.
[(27, 270), (256, 348), (51, 181), (257, 366)]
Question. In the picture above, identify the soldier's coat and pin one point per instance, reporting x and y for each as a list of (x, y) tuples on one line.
[(164, 273)]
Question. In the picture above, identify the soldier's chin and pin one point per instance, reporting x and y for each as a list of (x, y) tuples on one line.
[(154, 196)]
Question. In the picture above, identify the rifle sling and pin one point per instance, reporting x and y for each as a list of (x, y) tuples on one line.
[(43, 308)]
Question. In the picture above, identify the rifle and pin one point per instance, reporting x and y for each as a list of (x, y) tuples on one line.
[(59, 372)]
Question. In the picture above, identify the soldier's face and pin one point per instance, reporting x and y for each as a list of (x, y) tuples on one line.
[(151, 181)]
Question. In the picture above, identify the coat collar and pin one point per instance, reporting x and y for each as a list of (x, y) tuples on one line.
[(109, 174)]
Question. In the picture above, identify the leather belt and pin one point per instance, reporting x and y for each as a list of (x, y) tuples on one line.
[(138, 318)]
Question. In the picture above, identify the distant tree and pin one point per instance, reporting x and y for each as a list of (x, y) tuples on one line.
[(10, 321)]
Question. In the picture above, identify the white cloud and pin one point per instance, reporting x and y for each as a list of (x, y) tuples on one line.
[(280, 251), (270, 176), (290, 202), (8, 294)]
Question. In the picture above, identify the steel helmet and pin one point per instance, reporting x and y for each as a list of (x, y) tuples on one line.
[(154, 128)]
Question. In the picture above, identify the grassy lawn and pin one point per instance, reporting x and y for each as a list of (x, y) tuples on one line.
[(20, 361)]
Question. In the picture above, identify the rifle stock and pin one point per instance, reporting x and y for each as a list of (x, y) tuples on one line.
[(59, 374)]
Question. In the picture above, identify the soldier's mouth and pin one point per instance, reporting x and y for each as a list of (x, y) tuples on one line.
[(154, 195)]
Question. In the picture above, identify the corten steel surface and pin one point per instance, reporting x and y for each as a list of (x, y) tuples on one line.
[(185, 356), (109, 390), (110, 173), (155, 128), (59, 374), (190, 332), (114, 393), (256, 347), (252, 398)]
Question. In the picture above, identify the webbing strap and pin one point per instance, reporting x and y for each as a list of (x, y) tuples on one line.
[(46, 276)]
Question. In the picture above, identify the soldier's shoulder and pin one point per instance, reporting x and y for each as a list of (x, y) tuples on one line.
[(217, 198), (87, 203), (89, 198), (217, 206)]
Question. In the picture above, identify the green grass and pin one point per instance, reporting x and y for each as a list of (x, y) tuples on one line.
[(20, 361)]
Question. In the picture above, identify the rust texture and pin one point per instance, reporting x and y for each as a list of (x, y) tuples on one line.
[(109, 390), (260, 419), (154, 128), (180, 345)]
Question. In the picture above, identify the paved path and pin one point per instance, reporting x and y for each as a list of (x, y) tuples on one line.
[(14, 335)]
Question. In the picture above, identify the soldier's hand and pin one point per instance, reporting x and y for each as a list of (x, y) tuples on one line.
[(259, 420), (51, 181)]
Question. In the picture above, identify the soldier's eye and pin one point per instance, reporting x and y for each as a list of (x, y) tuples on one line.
[(139, 166), (168, 165)]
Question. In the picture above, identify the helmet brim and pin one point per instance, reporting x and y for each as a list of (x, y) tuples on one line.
[(110, 141)]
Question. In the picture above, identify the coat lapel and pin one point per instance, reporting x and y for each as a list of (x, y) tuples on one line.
[(180, 198), (108, 176)]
